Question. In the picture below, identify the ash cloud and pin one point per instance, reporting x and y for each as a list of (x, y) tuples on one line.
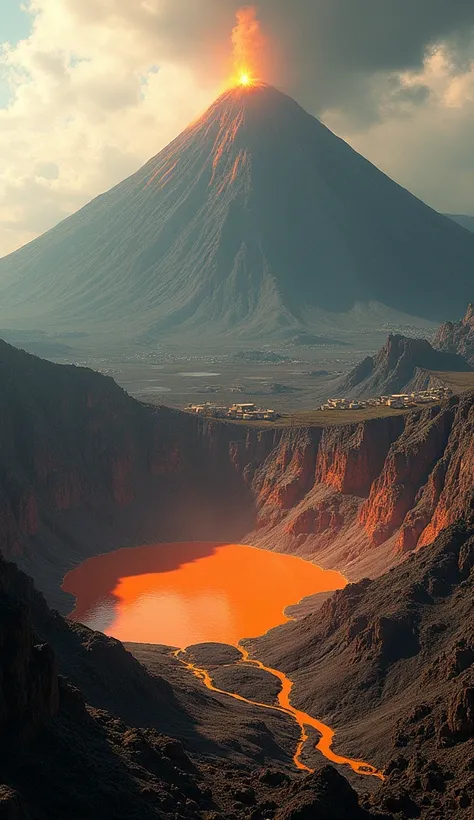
[(327, 52)]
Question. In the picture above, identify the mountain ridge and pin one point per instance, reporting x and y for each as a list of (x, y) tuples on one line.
[(458, 337), (399, 367)]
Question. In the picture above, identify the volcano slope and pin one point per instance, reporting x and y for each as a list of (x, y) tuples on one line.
[(401, 649), (257, 221)]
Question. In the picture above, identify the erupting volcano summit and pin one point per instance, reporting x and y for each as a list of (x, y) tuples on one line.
[(256, 220)]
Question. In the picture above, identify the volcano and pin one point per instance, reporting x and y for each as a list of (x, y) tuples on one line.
[(255, 221)]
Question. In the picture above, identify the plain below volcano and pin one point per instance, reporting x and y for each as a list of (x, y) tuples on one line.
[(256, 221)]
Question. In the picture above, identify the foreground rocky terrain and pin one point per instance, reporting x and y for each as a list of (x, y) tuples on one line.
[(401, 649), (392, 658), (69, 752)]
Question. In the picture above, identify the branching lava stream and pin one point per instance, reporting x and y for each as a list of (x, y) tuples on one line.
[(191, 593), (302, 718)]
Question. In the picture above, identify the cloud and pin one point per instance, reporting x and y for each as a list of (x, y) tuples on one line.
[(99, 86)]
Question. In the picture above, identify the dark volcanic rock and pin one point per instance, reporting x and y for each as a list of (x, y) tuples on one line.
[(325, 795)]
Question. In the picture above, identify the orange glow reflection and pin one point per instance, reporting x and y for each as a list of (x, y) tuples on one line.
[(221, 593)]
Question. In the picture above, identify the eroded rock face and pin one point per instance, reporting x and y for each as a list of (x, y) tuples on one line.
[(408, 466), (402, 364), (458, 337)]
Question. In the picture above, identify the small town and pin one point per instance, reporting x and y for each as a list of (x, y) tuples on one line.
[(236, 412), (397, 401), (250, 412)]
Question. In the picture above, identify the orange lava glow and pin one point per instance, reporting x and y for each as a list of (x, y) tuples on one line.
[(248, 45), (192, 593), (303, 720), (183, 594)]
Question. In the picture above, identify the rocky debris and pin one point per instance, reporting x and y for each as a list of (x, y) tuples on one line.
[(325, 795), (274, 778), (458, 337)]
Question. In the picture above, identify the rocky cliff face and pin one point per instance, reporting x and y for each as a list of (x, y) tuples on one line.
[(458, 337), (399, 366), (361, 493), (84, 468)]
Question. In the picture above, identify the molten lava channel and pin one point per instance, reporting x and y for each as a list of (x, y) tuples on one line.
[(196, 593), (303, 719)]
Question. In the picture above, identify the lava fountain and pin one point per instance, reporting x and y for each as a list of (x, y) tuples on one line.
[(248, 44)]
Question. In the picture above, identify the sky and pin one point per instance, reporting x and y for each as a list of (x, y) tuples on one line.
[(91, 89)]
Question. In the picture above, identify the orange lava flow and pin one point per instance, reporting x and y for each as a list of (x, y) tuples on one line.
[(285, 706), (184, 594)]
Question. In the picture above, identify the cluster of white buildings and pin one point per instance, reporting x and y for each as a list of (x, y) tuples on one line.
[(397, 401), (238, 412)]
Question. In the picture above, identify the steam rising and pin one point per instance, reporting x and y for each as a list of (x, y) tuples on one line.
[(248, 42)]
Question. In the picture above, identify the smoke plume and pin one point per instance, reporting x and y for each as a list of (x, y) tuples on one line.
[(248, 42)]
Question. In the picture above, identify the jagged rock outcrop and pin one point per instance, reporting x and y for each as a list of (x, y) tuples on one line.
[(403, 364), (407, 467), (458, 337)]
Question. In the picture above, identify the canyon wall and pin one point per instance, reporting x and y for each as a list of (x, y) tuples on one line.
[(360, 495), (85, 469)]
